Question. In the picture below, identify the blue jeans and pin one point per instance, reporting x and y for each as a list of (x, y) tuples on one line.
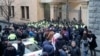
[(85, 53), (62, 53)]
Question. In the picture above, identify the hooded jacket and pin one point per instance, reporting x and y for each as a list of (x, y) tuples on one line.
[(47, 47)]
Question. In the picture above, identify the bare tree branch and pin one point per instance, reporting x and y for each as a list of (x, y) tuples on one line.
[(5, 7)]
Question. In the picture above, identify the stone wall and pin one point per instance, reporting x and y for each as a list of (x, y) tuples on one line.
[(94, 16)]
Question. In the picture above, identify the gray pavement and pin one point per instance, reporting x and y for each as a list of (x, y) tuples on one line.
[(98, 42), (97, 54)]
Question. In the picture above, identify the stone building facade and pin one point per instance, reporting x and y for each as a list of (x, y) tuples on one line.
[(35, 10), (94, 16)]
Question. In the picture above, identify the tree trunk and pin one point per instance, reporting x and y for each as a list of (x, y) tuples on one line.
[(8, 19)]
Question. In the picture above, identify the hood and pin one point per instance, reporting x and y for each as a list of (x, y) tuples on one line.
[(46, 42)]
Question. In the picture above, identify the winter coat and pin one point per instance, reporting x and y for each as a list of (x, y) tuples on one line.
[(93, 43), (59, 43), (47, 47), (74, 51), (65, 35), (31, 34), (70, 32), (4, 46), (10, 51), (1, 49), (39, 37), (45, 42), (6, 31), (19, 34), (21, 49)]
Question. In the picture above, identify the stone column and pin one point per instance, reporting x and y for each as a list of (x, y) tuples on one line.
[(51, 12), (84, 12), (64, 10)]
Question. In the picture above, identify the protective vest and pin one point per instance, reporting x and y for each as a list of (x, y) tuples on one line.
[(76, 26), (32, 40), (12, 37)]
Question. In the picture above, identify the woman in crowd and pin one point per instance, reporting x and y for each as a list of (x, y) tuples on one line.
[(85, 44), (92, 43)]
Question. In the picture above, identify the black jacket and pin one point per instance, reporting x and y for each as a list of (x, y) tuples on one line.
[(75, 51), (21, 49), (92, 44), (1, 49), (4, 46), (10, 51), (59, 44), (48, 48)]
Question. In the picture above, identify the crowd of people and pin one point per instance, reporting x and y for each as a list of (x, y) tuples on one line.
[(72, 40)]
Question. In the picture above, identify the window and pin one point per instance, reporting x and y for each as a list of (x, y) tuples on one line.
[(13, 14), (31, 48), (11, 11), (25, 12)]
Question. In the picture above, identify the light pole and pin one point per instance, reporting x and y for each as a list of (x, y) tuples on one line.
[(80, 16), (67, 12)]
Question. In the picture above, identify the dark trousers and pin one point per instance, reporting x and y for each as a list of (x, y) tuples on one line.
[(93, 52)]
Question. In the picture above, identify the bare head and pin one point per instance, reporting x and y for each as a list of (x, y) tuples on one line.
[(73, 43), (84, 32)]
